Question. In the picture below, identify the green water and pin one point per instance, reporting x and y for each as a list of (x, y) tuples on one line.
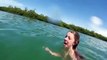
[(22, 38)]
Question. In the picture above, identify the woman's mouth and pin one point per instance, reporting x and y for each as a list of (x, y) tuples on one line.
[(65, 42)]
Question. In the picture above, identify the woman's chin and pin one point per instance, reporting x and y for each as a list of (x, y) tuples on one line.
[(65, 45)]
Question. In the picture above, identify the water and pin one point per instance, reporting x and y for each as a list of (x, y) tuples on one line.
[(22, 38)]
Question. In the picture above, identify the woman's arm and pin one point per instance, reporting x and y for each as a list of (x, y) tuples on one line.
[(52, 53)]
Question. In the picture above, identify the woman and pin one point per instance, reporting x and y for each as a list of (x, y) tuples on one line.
[(71, 42)]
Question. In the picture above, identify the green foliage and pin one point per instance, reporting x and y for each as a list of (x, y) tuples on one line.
[(32, 14), (27, 13), (82, 30)]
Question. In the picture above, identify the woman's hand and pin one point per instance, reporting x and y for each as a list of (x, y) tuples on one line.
[(47, 49), (52, 53)]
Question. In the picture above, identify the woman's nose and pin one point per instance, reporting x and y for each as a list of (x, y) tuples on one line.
[(65, 38)]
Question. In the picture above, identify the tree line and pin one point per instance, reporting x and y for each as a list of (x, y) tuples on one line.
[(82, 30), (32, 14), (25, 12)]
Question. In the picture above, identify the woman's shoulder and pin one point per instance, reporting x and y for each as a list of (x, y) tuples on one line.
[(80, 56)]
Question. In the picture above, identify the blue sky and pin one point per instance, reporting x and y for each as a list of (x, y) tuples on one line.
[(90, 14)]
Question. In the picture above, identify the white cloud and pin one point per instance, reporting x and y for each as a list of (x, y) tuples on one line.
[(100, 30), (11, 2), (96, 23), (55, 12)]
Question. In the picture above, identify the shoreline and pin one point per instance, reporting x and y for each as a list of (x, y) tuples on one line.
[(33, 15)]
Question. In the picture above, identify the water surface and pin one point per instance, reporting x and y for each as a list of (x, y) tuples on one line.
[(22, 38)]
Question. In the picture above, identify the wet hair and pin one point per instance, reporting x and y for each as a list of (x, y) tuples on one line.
[(76, 37)]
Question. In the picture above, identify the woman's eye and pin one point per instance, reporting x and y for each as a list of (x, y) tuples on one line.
[(68, 37)]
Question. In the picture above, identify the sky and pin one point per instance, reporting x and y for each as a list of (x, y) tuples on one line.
[(89, 14)]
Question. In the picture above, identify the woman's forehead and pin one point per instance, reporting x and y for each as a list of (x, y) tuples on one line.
[(70, 34)]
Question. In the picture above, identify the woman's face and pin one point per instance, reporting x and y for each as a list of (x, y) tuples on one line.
[(69, 40)]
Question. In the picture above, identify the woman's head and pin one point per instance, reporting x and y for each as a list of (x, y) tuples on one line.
[(71, 39)]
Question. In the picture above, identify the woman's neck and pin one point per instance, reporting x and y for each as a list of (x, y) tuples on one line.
[(73, 53)]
